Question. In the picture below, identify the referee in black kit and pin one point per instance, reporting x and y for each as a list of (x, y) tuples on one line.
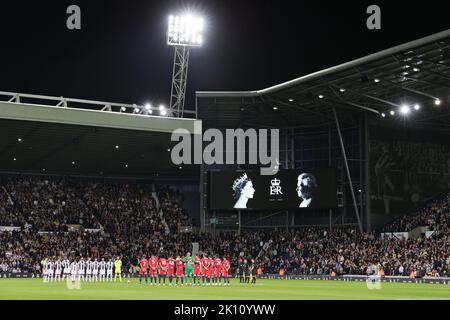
[(252, 272), (242, 270)]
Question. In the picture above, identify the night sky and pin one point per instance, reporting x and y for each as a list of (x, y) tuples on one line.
[(120, 55)]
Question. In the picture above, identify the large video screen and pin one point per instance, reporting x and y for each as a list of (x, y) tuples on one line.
[(288, 189)]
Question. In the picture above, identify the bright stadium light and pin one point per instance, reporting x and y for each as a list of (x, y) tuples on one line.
[(404, 109), (148, 108), (383, 114), (185, 30), (417, 107), (437, 102), (392, 112), (162, 110)]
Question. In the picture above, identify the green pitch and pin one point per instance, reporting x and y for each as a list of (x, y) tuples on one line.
[(262, 290)]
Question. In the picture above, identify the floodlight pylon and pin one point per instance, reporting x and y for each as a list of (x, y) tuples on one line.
[(179, 81)]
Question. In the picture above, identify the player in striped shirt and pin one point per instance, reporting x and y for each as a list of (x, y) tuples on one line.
[(81, 269), (66, 267), (58, 269), (74, 271), (109, 270), (102, 266), (49, 267), (89, 270), (95, 266)]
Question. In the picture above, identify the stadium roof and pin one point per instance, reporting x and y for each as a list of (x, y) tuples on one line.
[(416, 72), (72, 139)]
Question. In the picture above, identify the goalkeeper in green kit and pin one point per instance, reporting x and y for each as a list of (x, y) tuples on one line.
[(189, 267)]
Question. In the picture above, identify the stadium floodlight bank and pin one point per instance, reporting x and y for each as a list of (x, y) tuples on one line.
[(185, 30)]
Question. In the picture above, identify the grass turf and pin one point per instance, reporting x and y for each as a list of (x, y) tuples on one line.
[(35, 289)]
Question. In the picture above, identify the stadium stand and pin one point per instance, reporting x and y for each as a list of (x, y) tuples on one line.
[(172, 211), (69, 217), (435, 215)]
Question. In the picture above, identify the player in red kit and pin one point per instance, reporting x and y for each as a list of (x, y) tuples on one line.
[(171, 269), (180, 270), (217, 271), (211, 270), (197, 270), (153, 262), (225, 269), (163, 266), (205, 264), (143, 264)]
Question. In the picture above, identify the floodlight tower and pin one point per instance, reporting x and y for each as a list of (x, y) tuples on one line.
[(183, 33)]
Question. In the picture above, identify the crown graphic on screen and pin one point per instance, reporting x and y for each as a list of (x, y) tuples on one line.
[(275, 182), (239, 181)]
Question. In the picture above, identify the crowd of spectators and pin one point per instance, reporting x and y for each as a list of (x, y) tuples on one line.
[(54, 204), (128, 223), (176, 216), (113, 216), (343, 250), (435, 216), (48, 205)]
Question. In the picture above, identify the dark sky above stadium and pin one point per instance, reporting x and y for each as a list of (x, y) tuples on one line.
[(121, 55)]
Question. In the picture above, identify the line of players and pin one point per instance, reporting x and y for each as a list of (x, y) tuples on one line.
[(86, 270), (188, 270)]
